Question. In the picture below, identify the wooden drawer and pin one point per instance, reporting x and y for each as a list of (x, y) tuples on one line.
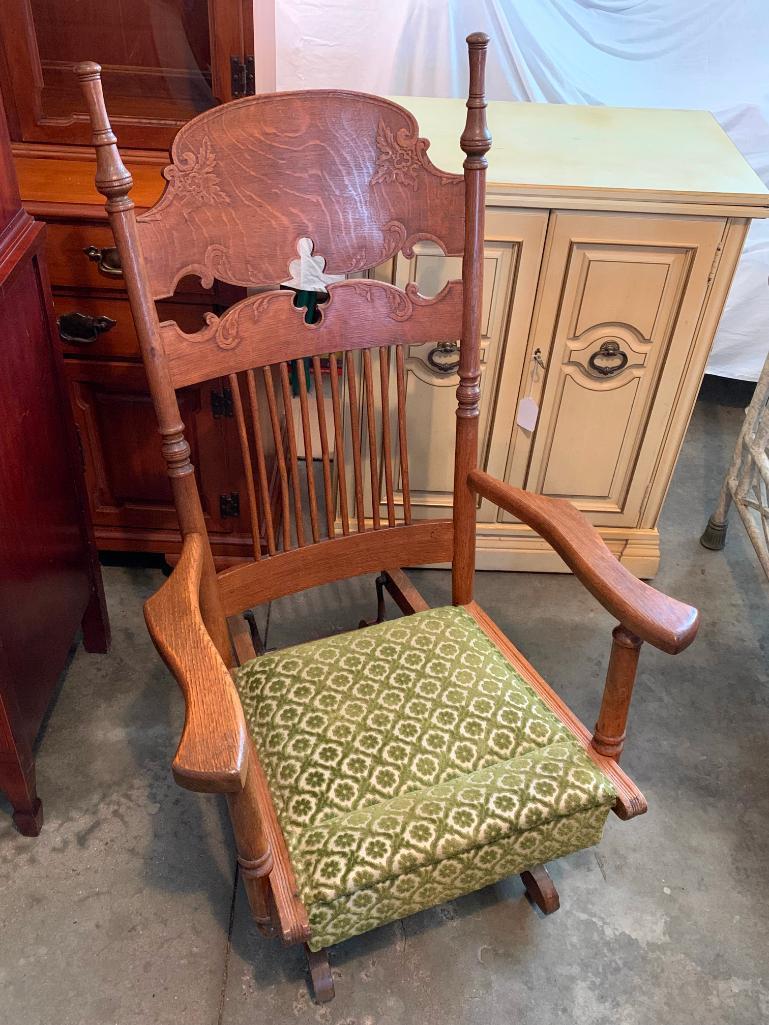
[(118, 340), (70, 267)]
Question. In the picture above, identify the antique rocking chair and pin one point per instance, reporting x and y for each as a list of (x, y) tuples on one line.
[(380, 772)]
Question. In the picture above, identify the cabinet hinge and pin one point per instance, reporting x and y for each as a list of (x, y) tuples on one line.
[(221, 403), (229, 505), (716, 260), (242, 76)]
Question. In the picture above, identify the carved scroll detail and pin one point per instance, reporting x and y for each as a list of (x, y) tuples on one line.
[(267, 328), (401, 156)]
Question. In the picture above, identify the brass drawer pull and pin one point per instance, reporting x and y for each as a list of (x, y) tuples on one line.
[(444, 357), (107, 260), (608, 360), (81, 329)]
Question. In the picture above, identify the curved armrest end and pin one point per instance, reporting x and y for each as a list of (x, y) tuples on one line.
[(212, 752), (664, 622)]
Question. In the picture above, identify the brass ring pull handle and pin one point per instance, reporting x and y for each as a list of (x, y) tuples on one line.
[(107, 260), (444, 357), (608, 360), (81, 329)]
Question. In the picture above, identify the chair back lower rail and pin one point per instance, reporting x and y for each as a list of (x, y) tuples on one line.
[(416, 544)]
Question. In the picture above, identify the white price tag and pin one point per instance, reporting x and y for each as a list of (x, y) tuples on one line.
[(528, 411)]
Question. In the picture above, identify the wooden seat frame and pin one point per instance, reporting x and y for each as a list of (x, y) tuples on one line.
[(196, 619)]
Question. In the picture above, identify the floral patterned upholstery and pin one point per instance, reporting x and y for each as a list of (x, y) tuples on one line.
[(410, 763)]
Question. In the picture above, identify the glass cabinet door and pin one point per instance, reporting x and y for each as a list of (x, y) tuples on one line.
[(163, 62)]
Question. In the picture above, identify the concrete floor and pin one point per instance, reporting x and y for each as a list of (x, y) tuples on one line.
[(123, 910)]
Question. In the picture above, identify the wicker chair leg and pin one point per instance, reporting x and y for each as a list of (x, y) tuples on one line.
[(541, 889)]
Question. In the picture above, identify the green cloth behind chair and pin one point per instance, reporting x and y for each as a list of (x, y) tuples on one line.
[(410, 763)]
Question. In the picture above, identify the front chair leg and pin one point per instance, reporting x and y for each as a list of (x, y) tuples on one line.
[(541, 889), (320, 972)]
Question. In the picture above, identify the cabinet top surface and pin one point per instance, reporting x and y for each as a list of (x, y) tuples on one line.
[(542, 154), (548, 148)]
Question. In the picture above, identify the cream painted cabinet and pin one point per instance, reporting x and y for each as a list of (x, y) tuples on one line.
[(616, 326), (513, 254), (601, 299)]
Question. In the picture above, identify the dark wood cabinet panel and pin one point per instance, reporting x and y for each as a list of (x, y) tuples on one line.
[(127, 481), (164, 61), (50, 584)]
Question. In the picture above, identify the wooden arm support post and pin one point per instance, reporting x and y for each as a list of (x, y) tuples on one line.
[(644, 614), (611, 728)]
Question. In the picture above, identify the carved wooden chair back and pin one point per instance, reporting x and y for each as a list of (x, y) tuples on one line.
[(344, 180)]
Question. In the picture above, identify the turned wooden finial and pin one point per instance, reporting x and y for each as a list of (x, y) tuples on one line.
[(476, 138), (113, 179)]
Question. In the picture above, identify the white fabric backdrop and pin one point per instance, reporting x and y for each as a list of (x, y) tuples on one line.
[(704, 54)]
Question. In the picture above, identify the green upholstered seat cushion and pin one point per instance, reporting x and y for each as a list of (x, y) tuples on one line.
[(412, 752)]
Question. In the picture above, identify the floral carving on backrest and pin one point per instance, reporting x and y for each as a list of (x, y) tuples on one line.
[(250, 178), (195, 179), (401, 156)]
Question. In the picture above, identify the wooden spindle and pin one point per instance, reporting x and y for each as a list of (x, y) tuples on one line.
[(261, 462), (387, 455), (293, 460), (611, 728), (248, 469), (320, 402), (308, 459), (475, 142), (336, 407), (272, 408), (355, 439), (368, 392), (400, 378)]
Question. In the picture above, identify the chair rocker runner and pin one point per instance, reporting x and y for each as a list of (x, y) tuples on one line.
[(373, 774)]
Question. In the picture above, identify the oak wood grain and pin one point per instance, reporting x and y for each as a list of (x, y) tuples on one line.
[(222, 215), (335, 559), (212, 751), (268, 328), (666, 623)]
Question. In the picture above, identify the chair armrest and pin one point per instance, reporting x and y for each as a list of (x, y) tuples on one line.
[(212, 752), (664, 622)]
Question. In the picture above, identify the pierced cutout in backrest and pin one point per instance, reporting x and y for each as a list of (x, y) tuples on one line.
[(250, 179), (307, 272)]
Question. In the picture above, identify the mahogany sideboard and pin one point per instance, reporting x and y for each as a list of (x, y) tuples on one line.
[(50, 581), (163, 63)]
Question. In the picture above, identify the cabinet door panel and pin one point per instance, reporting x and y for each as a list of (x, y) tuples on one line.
[(620, 302), (513, 251), (163, 62), (125, 471)]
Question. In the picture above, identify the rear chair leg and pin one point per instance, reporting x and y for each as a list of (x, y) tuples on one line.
[(256, 637), (320, 972), (380, 583), (541, 889)]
